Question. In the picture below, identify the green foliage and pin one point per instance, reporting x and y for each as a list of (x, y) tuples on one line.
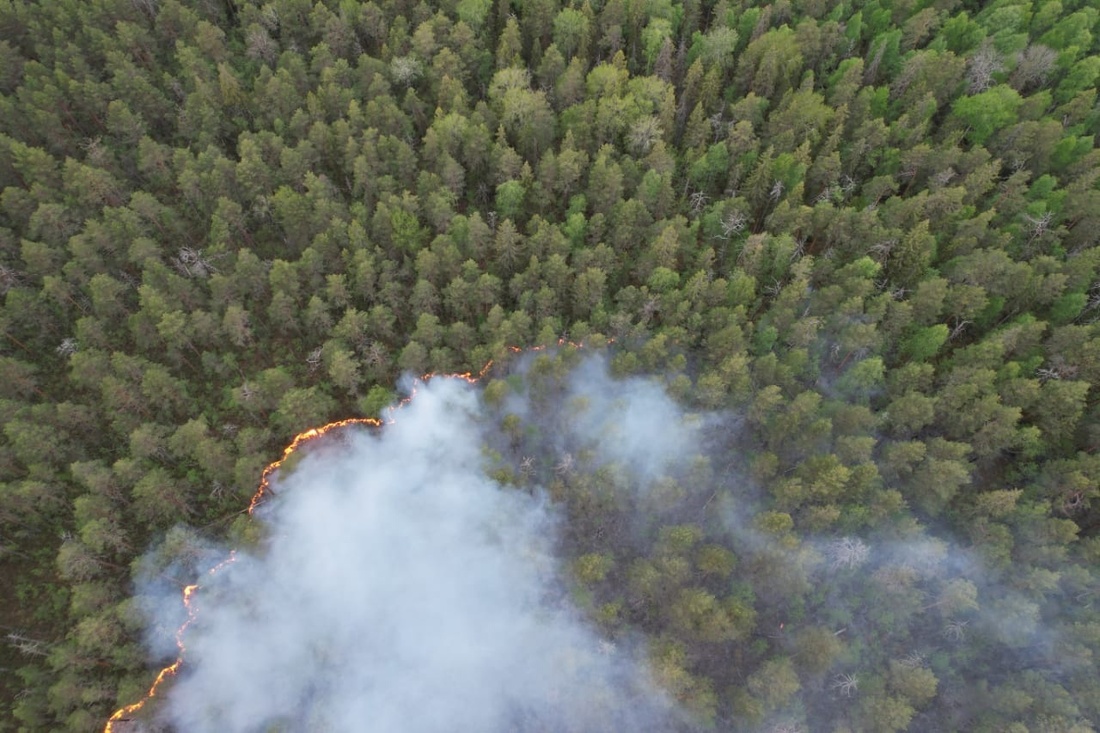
[(509, 199), (473, 12), (376, 400), (870, 229), (926, 342), (987, 112)]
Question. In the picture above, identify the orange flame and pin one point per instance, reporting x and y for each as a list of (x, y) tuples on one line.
[(124, 714), (299, 440)]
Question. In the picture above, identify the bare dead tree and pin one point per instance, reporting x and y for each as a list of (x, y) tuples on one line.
[(565, 464), (698, 202), (217, 490), (9, 278), (1038, 225), (67, 347), (847, 552), (405, 70), (944, 177), (1057, 369), (260, 46), (871, 72), (644, 133), (1094, 297), (718, 125), (27, 646), (527, 466), (148, 7), (776, 192), (94, 150), (1033, 66), (193, 263), (913, 660), (845, 684), (1017, 160), (662, 67), (374, 354), (130, 281), (985, 62), (787, 727), (314, 359), (881, 250), (1074, 502), (960, 326), (955, 630), (269, 17), (799, 250), (732, 224)]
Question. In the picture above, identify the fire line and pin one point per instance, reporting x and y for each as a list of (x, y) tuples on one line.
[(125, 713)]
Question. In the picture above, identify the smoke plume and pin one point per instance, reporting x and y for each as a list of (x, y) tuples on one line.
[(402, 589), (413, 578)]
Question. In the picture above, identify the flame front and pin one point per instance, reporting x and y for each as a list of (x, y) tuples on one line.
[(299, 440), (124, 714)]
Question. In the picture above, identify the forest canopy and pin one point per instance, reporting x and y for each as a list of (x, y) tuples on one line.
[(864, 231)]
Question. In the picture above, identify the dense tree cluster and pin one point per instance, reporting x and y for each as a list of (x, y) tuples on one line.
[(868, 228), (812, 599)]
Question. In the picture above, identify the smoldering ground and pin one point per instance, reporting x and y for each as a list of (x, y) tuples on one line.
[(401, 589)]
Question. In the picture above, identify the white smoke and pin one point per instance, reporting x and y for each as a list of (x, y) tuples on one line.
[(631, 422), (402, 590)]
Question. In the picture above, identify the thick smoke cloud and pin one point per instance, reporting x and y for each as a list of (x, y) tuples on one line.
[(401, 589), (412, 579)]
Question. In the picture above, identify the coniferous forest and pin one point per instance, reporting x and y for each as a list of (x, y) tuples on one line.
[(865, 231)]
